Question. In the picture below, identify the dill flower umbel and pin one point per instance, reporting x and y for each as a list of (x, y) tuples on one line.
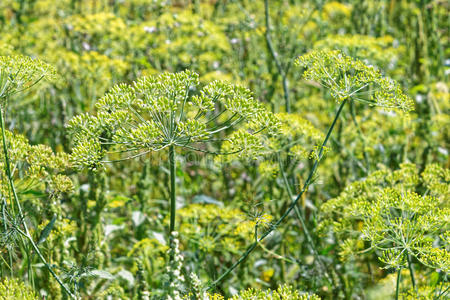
[(388, 211), (157, 112), (349, 78), (18, 73)]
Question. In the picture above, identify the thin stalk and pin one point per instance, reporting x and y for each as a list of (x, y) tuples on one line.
[(443, 293), (411, 270), (5, 227), (361, 136), (172, 188), (19, 207), (301, 218), (29, 266), (397, 289), (291, 207)]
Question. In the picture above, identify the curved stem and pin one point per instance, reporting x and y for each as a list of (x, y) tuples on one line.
[(291, 207), (19, 207)]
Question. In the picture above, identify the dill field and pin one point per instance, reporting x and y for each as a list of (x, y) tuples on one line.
[(224, 149)]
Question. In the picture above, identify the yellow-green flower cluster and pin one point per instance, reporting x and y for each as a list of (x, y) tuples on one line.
[(12, 289), (41, 168), (334, 10), (18, 73), (96, 25), (294, 136), (402, 223), (284, 292), (161, 111), (437, 179), (298, 135), (382, 137), (349, 78), (103, 32), (391, 211), (90, 68), (62, 230)]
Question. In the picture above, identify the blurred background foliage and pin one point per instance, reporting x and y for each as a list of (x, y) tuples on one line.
[(115, 220)]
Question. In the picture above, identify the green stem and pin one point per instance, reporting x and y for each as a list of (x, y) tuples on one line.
[(305, 229), (361, 136), (172, 189), (291, 207), (5, 227), (411, 270), (19, 207), (397, 289)]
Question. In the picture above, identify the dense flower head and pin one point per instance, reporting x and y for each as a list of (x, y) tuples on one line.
[(400, 222), (42, 169), (349, 78), (284, 292), (388, 211), (18, 72), (11, 288), (166, 110)]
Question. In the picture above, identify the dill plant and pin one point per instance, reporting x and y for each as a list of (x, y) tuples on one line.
[(346, 79), (167, 112), (403, 215), (17, 74)]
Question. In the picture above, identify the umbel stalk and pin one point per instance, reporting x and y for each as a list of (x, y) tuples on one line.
[(172, 167)]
